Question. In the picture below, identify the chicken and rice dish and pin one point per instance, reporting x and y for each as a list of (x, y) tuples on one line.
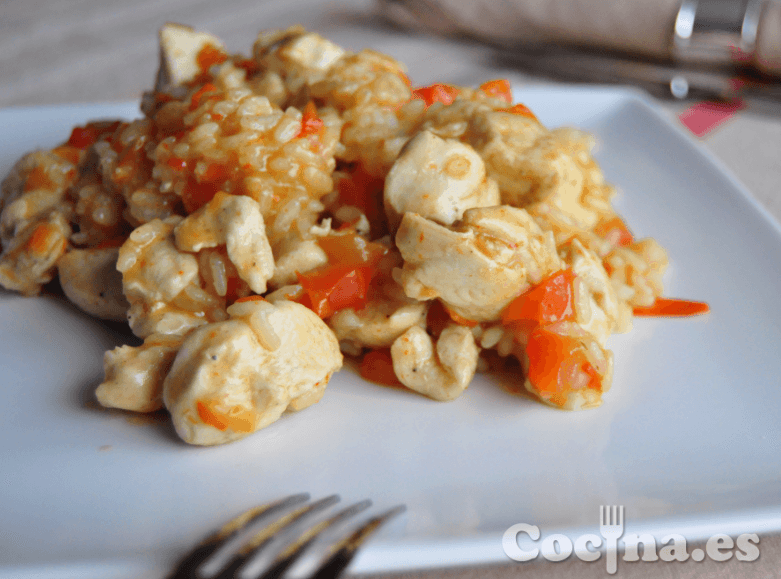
[(272, 213)]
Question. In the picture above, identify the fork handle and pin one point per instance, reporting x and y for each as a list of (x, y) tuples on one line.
[(612, 555)]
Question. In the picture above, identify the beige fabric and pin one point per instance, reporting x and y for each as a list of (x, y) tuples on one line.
[(628, 25), (634, 26)]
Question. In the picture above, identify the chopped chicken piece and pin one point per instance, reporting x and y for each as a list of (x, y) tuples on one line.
[(480, 265), (298, 56), (378, 324), (532, 164), (236, 222), (162, 284), (596, 305), (442, 374), (438, 179), (36, 185), (29, 260), (34, 228), (90, 279), (134, 375), (232, 378), (297, 255), (180, 48)]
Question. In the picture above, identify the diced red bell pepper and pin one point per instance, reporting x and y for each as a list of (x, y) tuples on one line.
[(377, 366), (336, 287), (615, 232), (522, 110), (83, 137), (558, 365), (364, 191), (195, 195), (499, 88), (549, 301), (436, 93), (350, 248)]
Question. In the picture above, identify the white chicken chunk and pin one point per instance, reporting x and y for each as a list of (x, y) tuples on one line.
[(232, 378), (134, 375), (480, 265), (90, 279), (236, 222), (28, 260), (34, 213), (596, 305), (438, 179), (162, 284), (532, 164), (378, 324), (180, 46), (309, 52), (442, 373), (296, 255)]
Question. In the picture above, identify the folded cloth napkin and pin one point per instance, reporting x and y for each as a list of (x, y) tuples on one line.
[(643, 27)]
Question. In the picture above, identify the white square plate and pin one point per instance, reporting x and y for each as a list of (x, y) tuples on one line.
[(687, 438)]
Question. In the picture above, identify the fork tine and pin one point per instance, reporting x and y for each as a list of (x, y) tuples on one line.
[(187, 567), (344, 550), (263, 537), (621, 515), (291, 553), (601, 515)]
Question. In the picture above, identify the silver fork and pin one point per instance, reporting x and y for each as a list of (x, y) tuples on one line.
[(203, 562), (611, 527)]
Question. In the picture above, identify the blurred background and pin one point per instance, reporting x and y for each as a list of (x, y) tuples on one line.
[(56, 51)]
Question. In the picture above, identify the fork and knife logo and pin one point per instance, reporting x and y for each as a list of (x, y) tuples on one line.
[(611, 527), (558, 547)]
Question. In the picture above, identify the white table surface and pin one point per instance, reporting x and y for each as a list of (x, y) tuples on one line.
[(55, 52)]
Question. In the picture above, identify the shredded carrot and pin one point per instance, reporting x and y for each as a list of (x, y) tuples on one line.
[(40, 239), (672, 308), (237, 419), (210, 55), (460, 320), (312, 126), (254, 298), (200, 94)]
